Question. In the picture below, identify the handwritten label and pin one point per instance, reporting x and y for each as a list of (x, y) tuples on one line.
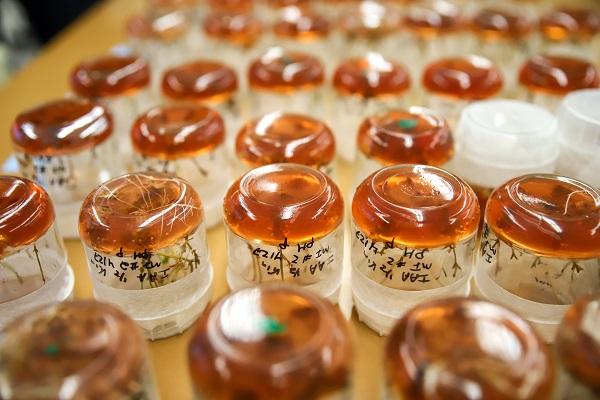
[(50, 172), (395, 265), (144, 269)]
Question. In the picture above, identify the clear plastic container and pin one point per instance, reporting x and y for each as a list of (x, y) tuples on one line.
[(277, 341), (452, 83), (579, 136), (570, 30), (501, 139), (75, 350), (188, 141), (209, 83), (578, 348), (546, 79), (362, 87), (145, 244), (121, 83), (540, 247), (33, 259), (284, 222), (403, 136), (462, 348), (286, 81), (67, 147), (413, 239), (285, 138)]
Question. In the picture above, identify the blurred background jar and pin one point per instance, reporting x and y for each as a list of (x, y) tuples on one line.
[(285, 138), (285, 81), (540, 247), (67, 147), (579, 136), (255, 331), (425, 356), (188, 141), (452, 83), (570, 31), (33, 259), (284, 222), (414, 135), (76, 350), (144, 238), (362, 87), (545, 79)]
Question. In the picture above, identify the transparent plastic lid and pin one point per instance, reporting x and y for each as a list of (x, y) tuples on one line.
[(200, 80), (501, 139), (239, 28), (371, 76), (579, 120), (177, 131), (26, 213), (412, 136), (60, 127), (74, 350), (163, 26), (465, 348), (283, 201), (109, 76), (140, 210), (416, 205), (301, 25), (279, 138), (283, 71), (277, 341), (558, 75), (550, 215), (467, 78), (578, 341)]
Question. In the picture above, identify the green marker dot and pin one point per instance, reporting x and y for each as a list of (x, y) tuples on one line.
[(272, 327), (51, 350), (407, 123)]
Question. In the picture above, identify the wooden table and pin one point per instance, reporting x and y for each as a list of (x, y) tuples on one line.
[(45, 78)]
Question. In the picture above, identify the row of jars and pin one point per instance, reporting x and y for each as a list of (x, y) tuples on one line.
[(281, 341)]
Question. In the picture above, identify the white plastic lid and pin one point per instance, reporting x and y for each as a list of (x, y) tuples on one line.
[(579, 120), (500, 139)]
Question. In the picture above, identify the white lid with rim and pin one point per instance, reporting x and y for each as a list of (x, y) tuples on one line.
[(500, 139)]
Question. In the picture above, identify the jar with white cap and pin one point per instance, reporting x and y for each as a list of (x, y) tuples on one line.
[(578, 125), (500, 139)]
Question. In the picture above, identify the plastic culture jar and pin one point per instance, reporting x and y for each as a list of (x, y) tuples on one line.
[(578, 347), (503, 35), (145, 243), (452, 83), (546, 79), (570, 31), (501, 139), (121, 83), (209, 83), (75, 350), (285, 138), (232, 5), (540, 247), (579, 136), (236, 37), (276, 341), (33, 259), (432, 29), (164, 37), (66, 146), (188, 141), (413, 239), (404, 136), (464, 348), (364, 86), (286, 81), (368, 25), (284, 223)]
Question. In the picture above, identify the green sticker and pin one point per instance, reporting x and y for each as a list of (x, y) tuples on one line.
[(272, 327), (407, 123)]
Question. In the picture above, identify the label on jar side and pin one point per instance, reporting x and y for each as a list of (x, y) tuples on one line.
[(537, 278), (51, 172), (146, 269), (392, 264)]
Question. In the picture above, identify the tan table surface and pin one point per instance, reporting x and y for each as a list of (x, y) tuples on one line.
[(45, 78)]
